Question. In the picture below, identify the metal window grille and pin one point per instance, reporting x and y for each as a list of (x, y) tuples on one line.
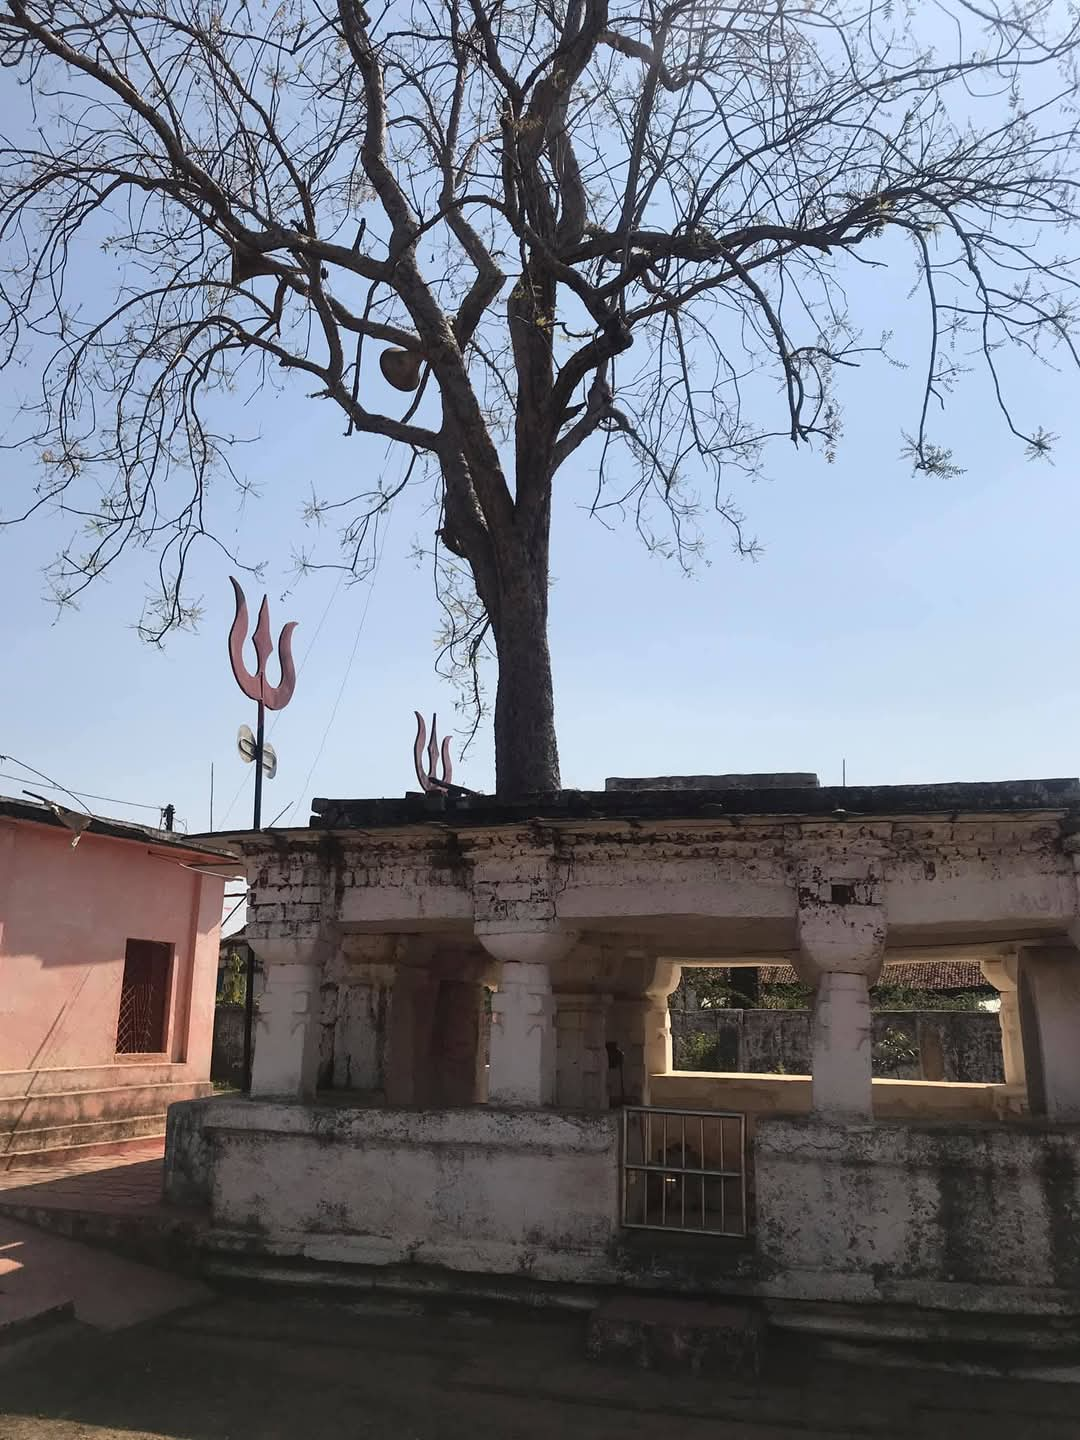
[(140, 1025), (684, 1170)]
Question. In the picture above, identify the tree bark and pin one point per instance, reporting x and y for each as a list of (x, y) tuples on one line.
[(526, 751)]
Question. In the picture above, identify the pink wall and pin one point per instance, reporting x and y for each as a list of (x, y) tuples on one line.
[(65, 919)]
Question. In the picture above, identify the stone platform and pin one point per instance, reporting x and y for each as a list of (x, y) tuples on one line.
[(116, 1205)]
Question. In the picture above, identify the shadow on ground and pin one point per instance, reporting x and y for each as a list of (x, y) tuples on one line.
[(291, 1369), (102, 1186), (45, 1278)]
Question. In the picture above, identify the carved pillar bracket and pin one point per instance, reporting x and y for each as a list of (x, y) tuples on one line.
[(287, 1026), (1001, 972), (641, 1024), (841, 934)]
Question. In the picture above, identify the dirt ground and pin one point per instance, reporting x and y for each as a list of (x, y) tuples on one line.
[(296, 1369)]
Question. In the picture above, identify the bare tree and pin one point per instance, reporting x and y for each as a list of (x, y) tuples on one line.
[(517, 238)]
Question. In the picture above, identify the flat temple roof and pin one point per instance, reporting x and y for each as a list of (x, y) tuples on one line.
[(989, 797)]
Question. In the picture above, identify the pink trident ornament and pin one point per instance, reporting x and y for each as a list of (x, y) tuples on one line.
[(257, 686), (428, 776)]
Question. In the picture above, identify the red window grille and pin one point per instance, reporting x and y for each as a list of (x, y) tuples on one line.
[(140, 1026)]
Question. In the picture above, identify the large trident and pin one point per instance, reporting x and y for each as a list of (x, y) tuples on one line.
[(256, 686)]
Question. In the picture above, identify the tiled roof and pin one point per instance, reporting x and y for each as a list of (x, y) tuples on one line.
[(942, 975)]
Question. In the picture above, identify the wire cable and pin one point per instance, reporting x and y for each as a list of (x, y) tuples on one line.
[(75, 794), (348, 671)]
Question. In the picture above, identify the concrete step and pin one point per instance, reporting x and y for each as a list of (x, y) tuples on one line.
[(80, 1107), (149, 1146), (53, 1282), (53, 1144), (15, 1084), (688, 1336), (19, 1320), (171, 1239), (229, 1263), (804, 1334)]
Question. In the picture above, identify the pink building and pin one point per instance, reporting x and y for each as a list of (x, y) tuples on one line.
[(108, 965)]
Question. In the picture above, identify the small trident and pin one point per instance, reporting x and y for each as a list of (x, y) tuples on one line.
[(256, 686), (429, 779)]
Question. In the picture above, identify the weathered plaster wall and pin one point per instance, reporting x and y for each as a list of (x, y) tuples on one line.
[(67, 916), (980, 1217), (955, 1045), (711, 886), (189, 1163), (962, 1217), (482, 1189)]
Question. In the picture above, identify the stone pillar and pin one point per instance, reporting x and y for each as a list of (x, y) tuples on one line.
[(840, 1050), (1049, 990), (360, 1029), (641, 1027), (1002, 974), (841, 948), (408, 1079), (521, 1066), (457, 1058), (659, 1059), (581, 1061), (631, 1020), (287, 1028)]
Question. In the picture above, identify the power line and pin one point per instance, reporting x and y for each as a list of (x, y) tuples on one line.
[(75, 794), (86, 794), (348, 670)]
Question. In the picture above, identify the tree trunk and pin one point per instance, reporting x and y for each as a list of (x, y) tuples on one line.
[(526, 751)]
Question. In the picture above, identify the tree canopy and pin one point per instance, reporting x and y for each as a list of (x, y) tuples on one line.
[(592, 242)]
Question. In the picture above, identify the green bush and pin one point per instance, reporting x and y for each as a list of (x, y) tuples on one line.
[(786, 997), (699, 1051), (895, 1050), (906, 997), (233, 981)]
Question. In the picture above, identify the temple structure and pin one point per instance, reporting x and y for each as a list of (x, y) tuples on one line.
[(463, 1052)]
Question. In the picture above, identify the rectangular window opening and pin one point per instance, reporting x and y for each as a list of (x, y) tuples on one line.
[(144, 998)]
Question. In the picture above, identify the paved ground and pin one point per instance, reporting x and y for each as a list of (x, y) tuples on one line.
[(45, 1278), (42, 1275), (290, 1369), (114, 1184)]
